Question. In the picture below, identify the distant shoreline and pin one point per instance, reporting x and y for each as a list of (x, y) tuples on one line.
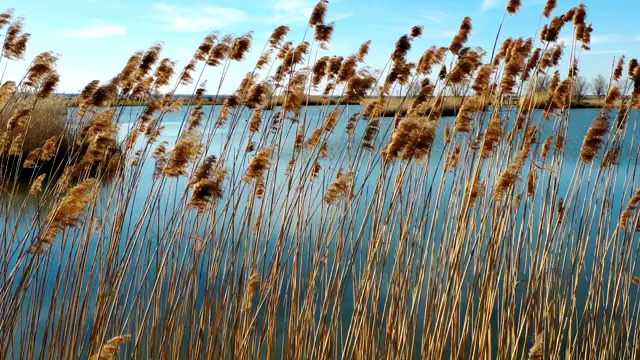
[(394, 103)]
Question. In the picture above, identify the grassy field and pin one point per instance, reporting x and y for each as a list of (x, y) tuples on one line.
[(307, 230)]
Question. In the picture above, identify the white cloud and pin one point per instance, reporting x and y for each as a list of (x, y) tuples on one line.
[(99, 30), (206, 18)]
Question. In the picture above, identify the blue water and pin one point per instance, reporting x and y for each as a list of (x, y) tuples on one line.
[(161, 231)]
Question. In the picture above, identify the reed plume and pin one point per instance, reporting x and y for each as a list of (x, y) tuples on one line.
[(164, 72), (255, 121), (185, 77), (594, 138), (482, 80), (5, 17), (260, 163), (319, 70), (562, 95), (15, 40), (314, 139), (416, 31), (323, 33), (462, 36), (30, 161), (561, 210), (628, 211), (36, 186), (258, 95), (549, 7), (371, 133), (546, 147), (466, 65), (612, 96), (341, 189), (633, 64), (207, 183), (7, 89), (532, 180), (492, 136), (65, 214), (363, 51), (511, 174), (514, 6), (537, 352), (264, 59), (318, 13), (278, 35), (315, 170), (413, 139), (617, 72), (222, 50), (85, 96), (359, 85), (252, 287), (464, 120), (332, 119), (127, 76), (241, 47), (347, 69), (610, 158), (205, 46), (20, 116), (453, 159), (149, 59), (105, 94), (111, 348), (187, 149), (431, 57), (268, 278)]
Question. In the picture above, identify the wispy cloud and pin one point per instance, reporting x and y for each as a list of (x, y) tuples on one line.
[(99, 30), (605, 52), (436, 16), (187, 19), (490, 4), (338, 17), (606, 39), (603, 39), (291, 11)]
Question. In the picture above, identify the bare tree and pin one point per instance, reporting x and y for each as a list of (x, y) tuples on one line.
[(580, 88), (540, 83), (376, 89), (457, 90), (413, 89), (599, 85)]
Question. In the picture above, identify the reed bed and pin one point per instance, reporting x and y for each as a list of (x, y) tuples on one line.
[(401, 104), (330, 231)]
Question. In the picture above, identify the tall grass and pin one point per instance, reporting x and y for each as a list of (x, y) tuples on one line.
[(300, 231)]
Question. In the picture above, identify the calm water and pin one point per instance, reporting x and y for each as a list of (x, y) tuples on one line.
[(578, 126)]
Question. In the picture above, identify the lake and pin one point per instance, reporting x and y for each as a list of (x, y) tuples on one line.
[(406, 261)]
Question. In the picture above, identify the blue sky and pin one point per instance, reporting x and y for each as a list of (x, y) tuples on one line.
[(95, 37)]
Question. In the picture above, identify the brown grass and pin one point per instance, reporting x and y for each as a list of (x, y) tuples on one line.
[(280, 224), (48, 119), (401, 104)]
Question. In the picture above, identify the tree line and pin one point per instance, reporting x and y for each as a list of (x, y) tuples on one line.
[(582, 88)]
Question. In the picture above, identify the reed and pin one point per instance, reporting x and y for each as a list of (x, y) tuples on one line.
[(315, 213)]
